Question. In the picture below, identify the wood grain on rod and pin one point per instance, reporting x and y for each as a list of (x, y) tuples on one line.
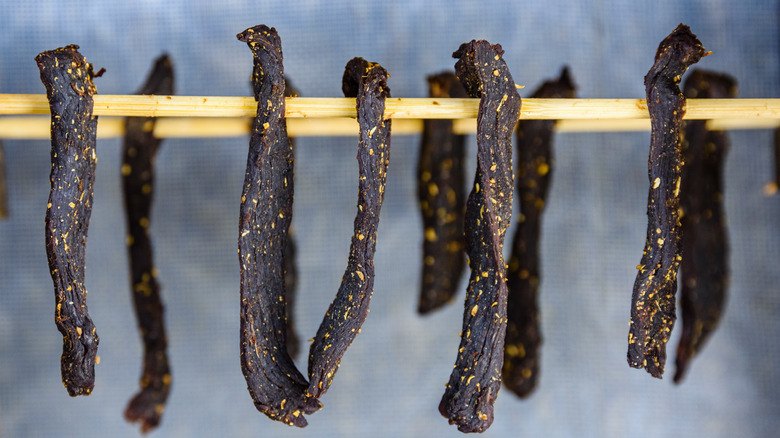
[(398, 108)]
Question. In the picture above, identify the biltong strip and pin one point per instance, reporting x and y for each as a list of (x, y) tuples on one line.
[(290, 267), (704, 267), (476, 378), (368, 83), (3, 189), (138, 156), (653, 299), (442, 196), (534, 169), (69, 88), (275, 384)]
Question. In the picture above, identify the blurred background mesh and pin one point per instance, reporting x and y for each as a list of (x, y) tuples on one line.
[(392, 378)]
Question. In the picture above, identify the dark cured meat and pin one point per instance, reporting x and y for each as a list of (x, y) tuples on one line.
[(3, 190), (653, 299), (704, 268), (368, 82), (440, 190), (534, 168), (69, 88), (275, 384), (476, 377), (139, 150), (290, 268)]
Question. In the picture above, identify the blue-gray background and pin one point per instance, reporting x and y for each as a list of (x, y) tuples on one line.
[(392, 377)]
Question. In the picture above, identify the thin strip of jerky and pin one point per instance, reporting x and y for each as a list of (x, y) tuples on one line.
[(534, 168), (704, 267), (275, 384), (653, 299), (138, 154), (476, 377), (367, 82), (440, 190), (69, 88), (290, 267), (3, 190)]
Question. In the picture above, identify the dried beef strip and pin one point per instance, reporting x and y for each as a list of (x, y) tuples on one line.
[(290, 267), (367, 82), (440, 190), (534, 168), (277, 388), (704, 267), (476, 377), (653, 299), (3, 190), (69, 88), (139, 150)]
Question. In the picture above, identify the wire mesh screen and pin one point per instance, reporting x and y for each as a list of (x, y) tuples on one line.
[(391, 379)]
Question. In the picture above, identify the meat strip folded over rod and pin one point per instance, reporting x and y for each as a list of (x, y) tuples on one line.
[(277, 388), (139, 150), (69, 88), (367, 81), (653, 300), (704, 268), (476, 378), (534, 169), (442, 196)]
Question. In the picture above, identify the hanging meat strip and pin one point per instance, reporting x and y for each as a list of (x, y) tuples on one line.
[(275, 384), (139, 150), (69, 88), (704, 268), (367, 81), (653, 300), (440, 190), (534, 168), (476, 377)]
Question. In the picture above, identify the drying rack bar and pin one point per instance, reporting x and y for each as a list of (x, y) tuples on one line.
[(216, 116), (396, 108)]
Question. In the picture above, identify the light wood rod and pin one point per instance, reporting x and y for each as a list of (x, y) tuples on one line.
[(397, 108)]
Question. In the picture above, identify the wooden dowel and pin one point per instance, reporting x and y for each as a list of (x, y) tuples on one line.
[(234, 127), (37, 127), (397, 108)]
